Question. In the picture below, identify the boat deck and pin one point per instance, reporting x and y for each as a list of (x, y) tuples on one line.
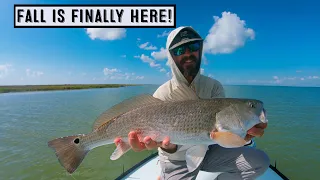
[(149, 169)]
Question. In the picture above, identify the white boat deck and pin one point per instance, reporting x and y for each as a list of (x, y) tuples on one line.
[(150, 170)]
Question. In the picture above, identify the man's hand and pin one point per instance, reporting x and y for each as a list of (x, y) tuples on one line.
[(256, 131), (147, 144)]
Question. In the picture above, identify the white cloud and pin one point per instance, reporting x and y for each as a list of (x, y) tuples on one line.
[(204, 59), (169, 74), (149, 60), (150, 47), (165, 33), (291, 78), (115, 77), (284, 80), (33, 73), (210, 75), (163, 70), (313, 77), (143, 45), (139, 77), (167, 64), (201, 71), (4, 69), (114, 73), (146, 47), (38, 73), (106, 33), (124, 56), (108, 71), (227, 34), (153, 64), (145, 58), (277, 80), (160, 55)]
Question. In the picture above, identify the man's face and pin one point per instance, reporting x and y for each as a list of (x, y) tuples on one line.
[(187, 58)]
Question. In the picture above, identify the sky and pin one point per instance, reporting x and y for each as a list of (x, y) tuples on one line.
[(246, 43)]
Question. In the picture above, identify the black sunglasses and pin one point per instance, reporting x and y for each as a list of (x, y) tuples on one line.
[(194, 46)]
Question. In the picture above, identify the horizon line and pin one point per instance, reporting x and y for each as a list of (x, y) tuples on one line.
[(139, 84)]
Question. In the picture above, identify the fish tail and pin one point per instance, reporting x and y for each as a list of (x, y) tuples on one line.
[(69, 151)]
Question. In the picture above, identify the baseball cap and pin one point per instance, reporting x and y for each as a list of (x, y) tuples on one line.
[(185, 35)]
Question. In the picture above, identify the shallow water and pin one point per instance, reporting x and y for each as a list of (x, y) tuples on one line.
[(29, 120)]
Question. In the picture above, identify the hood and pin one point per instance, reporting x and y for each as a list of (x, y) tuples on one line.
[(177, 76)]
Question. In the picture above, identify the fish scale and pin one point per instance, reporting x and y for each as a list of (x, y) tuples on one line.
[(164, 119)]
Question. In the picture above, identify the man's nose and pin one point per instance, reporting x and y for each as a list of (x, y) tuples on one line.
[(187, 51)]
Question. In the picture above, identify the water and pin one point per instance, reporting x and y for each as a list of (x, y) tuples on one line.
[(29, 120)]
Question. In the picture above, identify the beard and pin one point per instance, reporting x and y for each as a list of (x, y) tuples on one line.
[(189, 70)]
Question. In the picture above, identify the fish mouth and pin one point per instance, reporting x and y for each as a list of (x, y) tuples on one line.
[(263, 116)]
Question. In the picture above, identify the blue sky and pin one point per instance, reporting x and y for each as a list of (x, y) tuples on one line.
[(265, 42)]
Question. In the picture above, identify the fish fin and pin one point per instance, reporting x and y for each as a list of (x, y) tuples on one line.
[(123, 107), (121, 149), (183, 93), (69, 151), (227, 139)]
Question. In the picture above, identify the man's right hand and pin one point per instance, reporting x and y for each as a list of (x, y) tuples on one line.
[(148, 143)]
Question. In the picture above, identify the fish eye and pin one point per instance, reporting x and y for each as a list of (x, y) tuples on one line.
[(77, 140), (251, 104)]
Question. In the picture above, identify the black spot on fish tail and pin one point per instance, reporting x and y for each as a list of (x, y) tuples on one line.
[(69, 152)]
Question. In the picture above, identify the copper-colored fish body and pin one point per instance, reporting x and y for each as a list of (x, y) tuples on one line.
[(185, 118)]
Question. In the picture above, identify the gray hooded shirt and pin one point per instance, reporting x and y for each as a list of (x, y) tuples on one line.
[(205, 87)]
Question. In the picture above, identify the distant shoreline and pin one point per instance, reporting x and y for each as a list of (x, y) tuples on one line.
[(53, 87), (30, 88)]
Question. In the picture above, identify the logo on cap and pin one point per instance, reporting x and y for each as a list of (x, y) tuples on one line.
[(184, 35)]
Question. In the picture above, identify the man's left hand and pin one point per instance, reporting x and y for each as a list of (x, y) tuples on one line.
[(256, 131)]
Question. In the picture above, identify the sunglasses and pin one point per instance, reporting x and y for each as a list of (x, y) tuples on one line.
[(195, 46)]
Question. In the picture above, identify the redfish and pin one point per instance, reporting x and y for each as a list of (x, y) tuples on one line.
[(185, 118)]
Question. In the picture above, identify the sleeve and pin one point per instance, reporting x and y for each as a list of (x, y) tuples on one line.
[(159, 93), (217, 90)]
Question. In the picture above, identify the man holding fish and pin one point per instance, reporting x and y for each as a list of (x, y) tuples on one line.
[(185, 46), (188, 119)]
